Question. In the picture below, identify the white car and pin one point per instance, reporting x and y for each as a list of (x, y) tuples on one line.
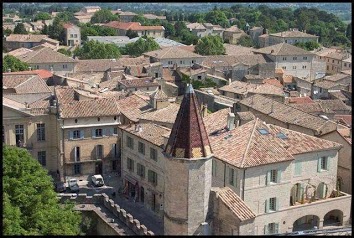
[(73, 186), (97, 180)]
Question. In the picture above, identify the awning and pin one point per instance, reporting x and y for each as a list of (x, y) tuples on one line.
[(130, 179)]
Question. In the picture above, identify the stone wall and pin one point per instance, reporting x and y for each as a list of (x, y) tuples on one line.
[(103, 200)]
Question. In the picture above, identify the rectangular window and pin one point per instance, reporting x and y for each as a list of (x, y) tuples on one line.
[(98, 133), (75, 35), (327, 67), (77, 153), (19, 132), (272, 204), (152, 177), (130, 142), (141, 148), (324, 163), (297, 170), (40, 131), (76, 134), (153, 154), (284, 67), (130, 164), (114, 150), (332, 61), (42, 158), (284, 58), (77, 168), (65, 66), (99, 151), (294, 58), (141, 170), (345, 64), (115, 131), (231, 176), (272, 228), (305, 58), (71, 35), (213, 164), (273, 176), (294, 67), (304, 67)]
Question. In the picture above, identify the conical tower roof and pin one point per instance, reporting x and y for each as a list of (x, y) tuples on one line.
[(188, 138)]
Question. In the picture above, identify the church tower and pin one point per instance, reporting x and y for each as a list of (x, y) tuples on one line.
[(187, 170)]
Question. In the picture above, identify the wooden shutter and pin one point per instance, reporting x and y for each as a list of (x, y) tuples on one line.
[(266, 206), (278, 176), (265, 230), (111, 131), (93, 132), (327, 163), (319, 165), (268, 178), (71, 135), (320, 190), (104, 132), (82, 136)]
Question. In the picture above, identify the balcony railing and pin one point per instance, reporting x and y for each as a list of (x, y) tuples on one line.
[(334, 194)]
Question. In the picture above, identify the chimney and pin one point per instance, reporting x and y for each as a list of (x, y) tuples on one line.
[(230, 121), (230, 81), (136, 127), (140, 128)]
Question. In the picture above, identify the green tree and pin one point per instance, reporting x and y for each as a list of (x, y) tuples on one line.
[(349, 31), (96, 50), (6, 32), (30, 204), (210, 45), (65, 52), (44, 31), (309, 45), (56, 30), (11, 62), (20, 29), (217, 17), (131, 34), (169, 29), (245, 41), (42, 16), (103, 16), (144, 44)]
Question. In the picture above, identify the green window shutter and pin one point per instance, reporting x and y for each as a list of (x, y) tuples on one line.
[(319, 165), (279, 176), (266, 206), (327, 163), (268, 178), (111, 131), (71, 135), (297, 168), (276, 228), (104, 132), (93, 131), (82, 136), (265, 230), (320, 190)]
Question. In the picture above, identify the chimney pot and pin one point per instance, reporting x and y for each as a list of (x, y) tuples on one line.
[(230, 121)]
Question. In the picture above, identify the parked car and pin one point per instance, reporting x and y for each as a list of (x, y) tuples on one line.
[(60, 187), (97, 180), (73, 186)]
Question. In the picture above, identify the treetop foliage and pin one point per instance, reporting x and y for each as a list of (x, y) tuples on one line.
[(210, 45), (96, 50)]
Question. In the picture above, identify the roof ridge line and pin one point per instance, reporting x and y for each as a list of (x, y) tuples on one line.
[(166, 52), (30, 78), (249, 143)]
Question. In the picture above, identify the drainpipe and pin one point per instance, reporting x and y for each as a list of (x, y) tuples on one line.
[(243, 184), (224, 174)]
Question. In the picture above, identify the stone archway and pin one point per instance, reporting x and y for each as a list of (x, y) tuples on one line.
[(306, 223), (333, 218)]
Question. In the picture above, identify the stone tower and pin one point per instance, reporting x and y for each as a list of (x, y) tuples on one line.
[(187, 170)]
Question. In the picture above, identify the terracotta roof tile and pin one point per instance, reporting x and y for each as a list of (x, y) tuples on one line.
[(216, 121), (237, 206), (288, 114), (90, 108), (293, 34), (133, 106), (346, 119), (133, 83), (273, 82), (45, 55), (345, 133), (165, 115), (64, 94), (101, 65), (245, 88), (19, 51), (25, 38), (299, 100), (25, 83), (149, 132), (188, 137), (172, 53), (282, 49), (237, 50)]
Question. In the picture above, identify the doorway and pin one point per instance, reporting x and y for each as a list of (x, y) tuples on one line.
[(98, 168), (142, 194)]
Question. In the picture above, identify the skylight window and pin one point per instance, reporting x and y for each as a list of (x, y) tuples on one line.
[(263, 131), (281, 135)]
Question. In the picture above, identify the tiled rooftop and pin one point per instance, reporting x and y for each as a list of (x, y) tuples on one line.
[(237, 206), (188, 137), (25, 38), (45, 55), (173, 52), (237, 50), (282, 49), (133, 106), (288, 114), (133, 83), (245, 88), (294, 33), (25, 83), (149, 132), (165, 115)]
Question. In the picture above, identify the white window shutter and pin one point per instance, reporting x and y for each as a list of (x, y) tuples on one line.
[(104, 132), (93, 133), (319, 164), (276, 228), (96, 149), (266, 206), (112, 150), (82, 136), (268, 178), (279, 176), (71, 135)]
